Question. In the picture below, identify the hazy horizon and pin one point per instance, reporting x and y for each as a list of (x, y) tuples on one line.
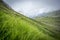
[(32, 8)]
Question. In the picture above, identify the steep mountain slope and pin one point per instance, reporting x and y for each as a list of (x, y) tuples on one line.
[(14, 26), (51, 22)]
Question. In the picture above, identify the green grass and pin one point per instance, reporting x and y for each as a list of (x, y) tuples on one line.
[(52, 24), (14, 26)]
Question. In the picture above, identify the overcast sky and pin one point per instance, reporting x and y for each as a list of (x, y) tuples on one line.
[(32, 8)]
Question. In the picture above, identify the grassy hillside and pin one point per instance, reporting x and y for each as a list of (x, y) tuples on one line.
[(14, 26), (51, 22)]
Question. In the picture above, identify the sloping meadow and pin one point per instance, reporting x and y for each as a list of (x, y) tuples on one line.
[(14, 26)]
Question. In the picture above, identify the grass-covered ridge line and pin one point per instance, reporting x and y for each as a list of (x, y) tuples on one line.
[(14, 26)]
